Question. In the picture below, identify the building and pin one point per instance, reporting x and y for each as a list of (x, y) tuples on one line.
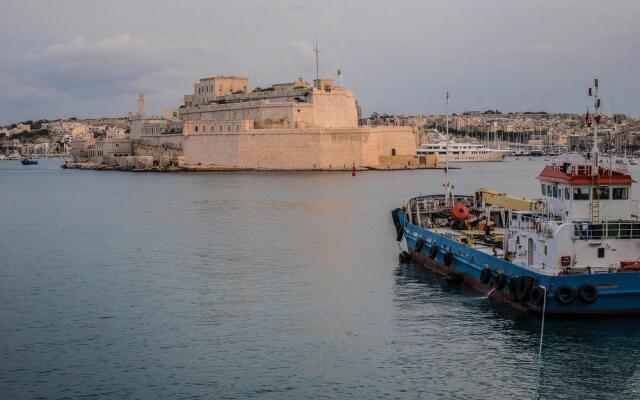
[(225, 124)]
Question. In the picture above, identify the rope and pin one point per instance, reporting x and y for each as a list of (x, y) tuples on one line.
[(536, 396)]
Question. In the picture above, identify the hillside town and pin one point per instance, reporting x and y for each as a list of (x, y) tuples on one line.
[(531, 130)]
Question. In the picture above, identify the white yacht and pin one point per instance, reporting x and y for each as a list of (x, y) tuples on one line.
[(461, 152)]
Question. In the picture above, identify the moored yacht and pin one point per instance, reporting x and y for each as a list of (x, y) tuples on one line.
[(461, 152)]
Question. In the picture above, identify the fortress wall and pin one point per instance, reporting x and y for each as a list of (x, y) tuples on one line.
[(334, 109), (298, 148)]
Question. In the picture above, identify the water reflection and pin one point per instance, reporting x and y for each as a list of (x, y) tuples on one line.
[(582, 358)]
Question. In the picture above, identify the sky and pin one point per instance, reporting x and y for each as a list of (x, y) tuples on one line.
[(64, 58)]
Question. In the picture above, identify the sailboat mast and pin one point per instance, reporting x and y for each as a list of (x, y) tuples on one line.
[(447, 188)]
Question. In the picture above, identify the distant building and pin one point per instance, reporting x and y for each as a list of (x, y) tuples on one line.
[(225, 124)]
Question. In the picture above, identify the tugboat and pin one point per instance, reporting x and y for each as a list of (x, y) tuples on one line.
[(575, 251)]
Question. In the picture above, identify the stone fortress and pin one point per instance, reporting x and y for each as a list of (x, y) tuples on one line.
[(226, 125)]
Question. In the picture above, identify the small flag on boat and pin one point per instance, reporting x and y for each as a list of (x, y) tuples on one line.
[(339, 71), (447, 95)]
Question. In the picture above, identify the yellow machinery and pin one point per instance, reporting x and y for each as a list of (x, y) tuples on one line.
[(502, 200)]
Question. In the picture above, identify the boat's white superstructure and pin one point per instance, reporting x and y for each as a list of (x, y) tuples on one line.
[(461, 152)]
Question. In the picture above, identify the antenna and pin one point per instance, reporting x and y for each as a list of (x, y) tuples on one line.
[(317, 60)]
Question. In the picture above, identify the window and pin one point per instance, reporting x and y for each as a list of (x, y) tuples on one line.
[(581, 193), (393, 152), (567, 194), (555, 191), (620, 193), (600, 252), (601, 193), (196, 128), (544, 189)]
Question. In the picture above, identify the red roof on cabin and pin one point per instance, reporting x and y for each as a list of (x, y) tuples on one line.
[(581, 175)]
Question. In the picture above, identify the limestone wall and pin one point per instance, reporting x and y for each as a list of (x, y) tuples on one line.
[(298, 148)]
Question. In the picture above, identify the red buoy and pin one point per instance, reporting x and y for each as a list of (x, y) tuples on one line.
[(460, 211)]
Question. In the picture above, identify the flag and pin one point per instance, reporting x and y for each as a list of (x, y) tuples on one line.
[(447, 95), (339, 71)]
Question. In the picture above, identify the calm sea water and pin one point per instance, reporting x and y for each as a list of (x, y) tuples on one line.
[(265, 285)]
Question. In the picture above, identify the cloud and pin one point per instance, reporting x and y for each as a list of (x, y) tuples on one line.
[(81, 70)]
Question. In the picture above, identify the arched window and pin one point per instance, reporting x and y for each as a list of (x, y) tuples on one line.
[(393, 152), (196, 128)]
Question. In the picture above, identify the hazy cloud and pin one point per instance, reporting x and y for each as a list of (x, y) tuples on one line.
[(73, 57)]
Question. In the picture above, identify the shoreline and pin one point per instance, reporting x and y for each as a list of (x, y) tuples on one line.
[(105, 167)]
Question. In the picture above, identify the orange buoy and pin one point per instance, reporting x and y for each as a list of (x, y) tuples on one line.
[(460, 211)]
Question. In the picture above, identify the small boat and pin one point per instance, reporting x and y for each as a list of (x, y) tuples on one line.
[(14, 156), (28, 161), (3, 157), (633, 161)]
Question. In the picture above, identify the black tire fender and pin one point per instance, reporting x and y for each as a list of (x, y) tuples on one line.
[(587, 293), (433, 253), (523, 290), (485, 275), (500, 281), (537, 296), (513, 287), (448, 259), (566, 294)]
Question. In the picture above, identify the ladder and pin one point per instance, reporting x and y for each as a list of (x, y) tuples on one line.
[(595, 200)]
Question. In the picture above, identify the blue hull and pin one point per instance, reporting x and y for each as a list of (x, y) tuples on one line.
[(618, 293)]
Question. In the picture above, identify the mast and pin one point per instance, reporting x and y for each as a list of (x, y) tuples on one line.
[(595, 195), (447, 185)]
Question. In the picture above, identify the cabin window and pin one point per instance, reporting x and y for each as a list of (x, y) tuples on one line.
[(567, 194), (600, 252), (544, 189), (555, 191), (581, 193), (601, 193), (620, 193)]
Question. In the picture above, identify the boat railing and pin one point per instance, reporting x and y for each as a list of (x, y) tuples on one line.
[(607, 230)]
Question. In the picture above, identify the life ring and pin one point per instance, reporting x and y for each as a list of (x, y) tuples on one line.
[(513, 287), (566, 294), (460, 211), (433, 253), (587, 293), (485, 275), (448, 258), (523, 289), (404, 257), (500, 280), (400, 233), (419, 245), (537, 296)]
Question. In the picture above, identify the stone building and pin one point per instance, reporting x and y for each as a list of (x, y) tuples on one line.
[(225, 124)]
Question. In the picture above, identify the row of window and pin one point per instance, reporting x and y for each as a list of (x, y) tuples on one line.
[(582, 192), (230, 128)]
